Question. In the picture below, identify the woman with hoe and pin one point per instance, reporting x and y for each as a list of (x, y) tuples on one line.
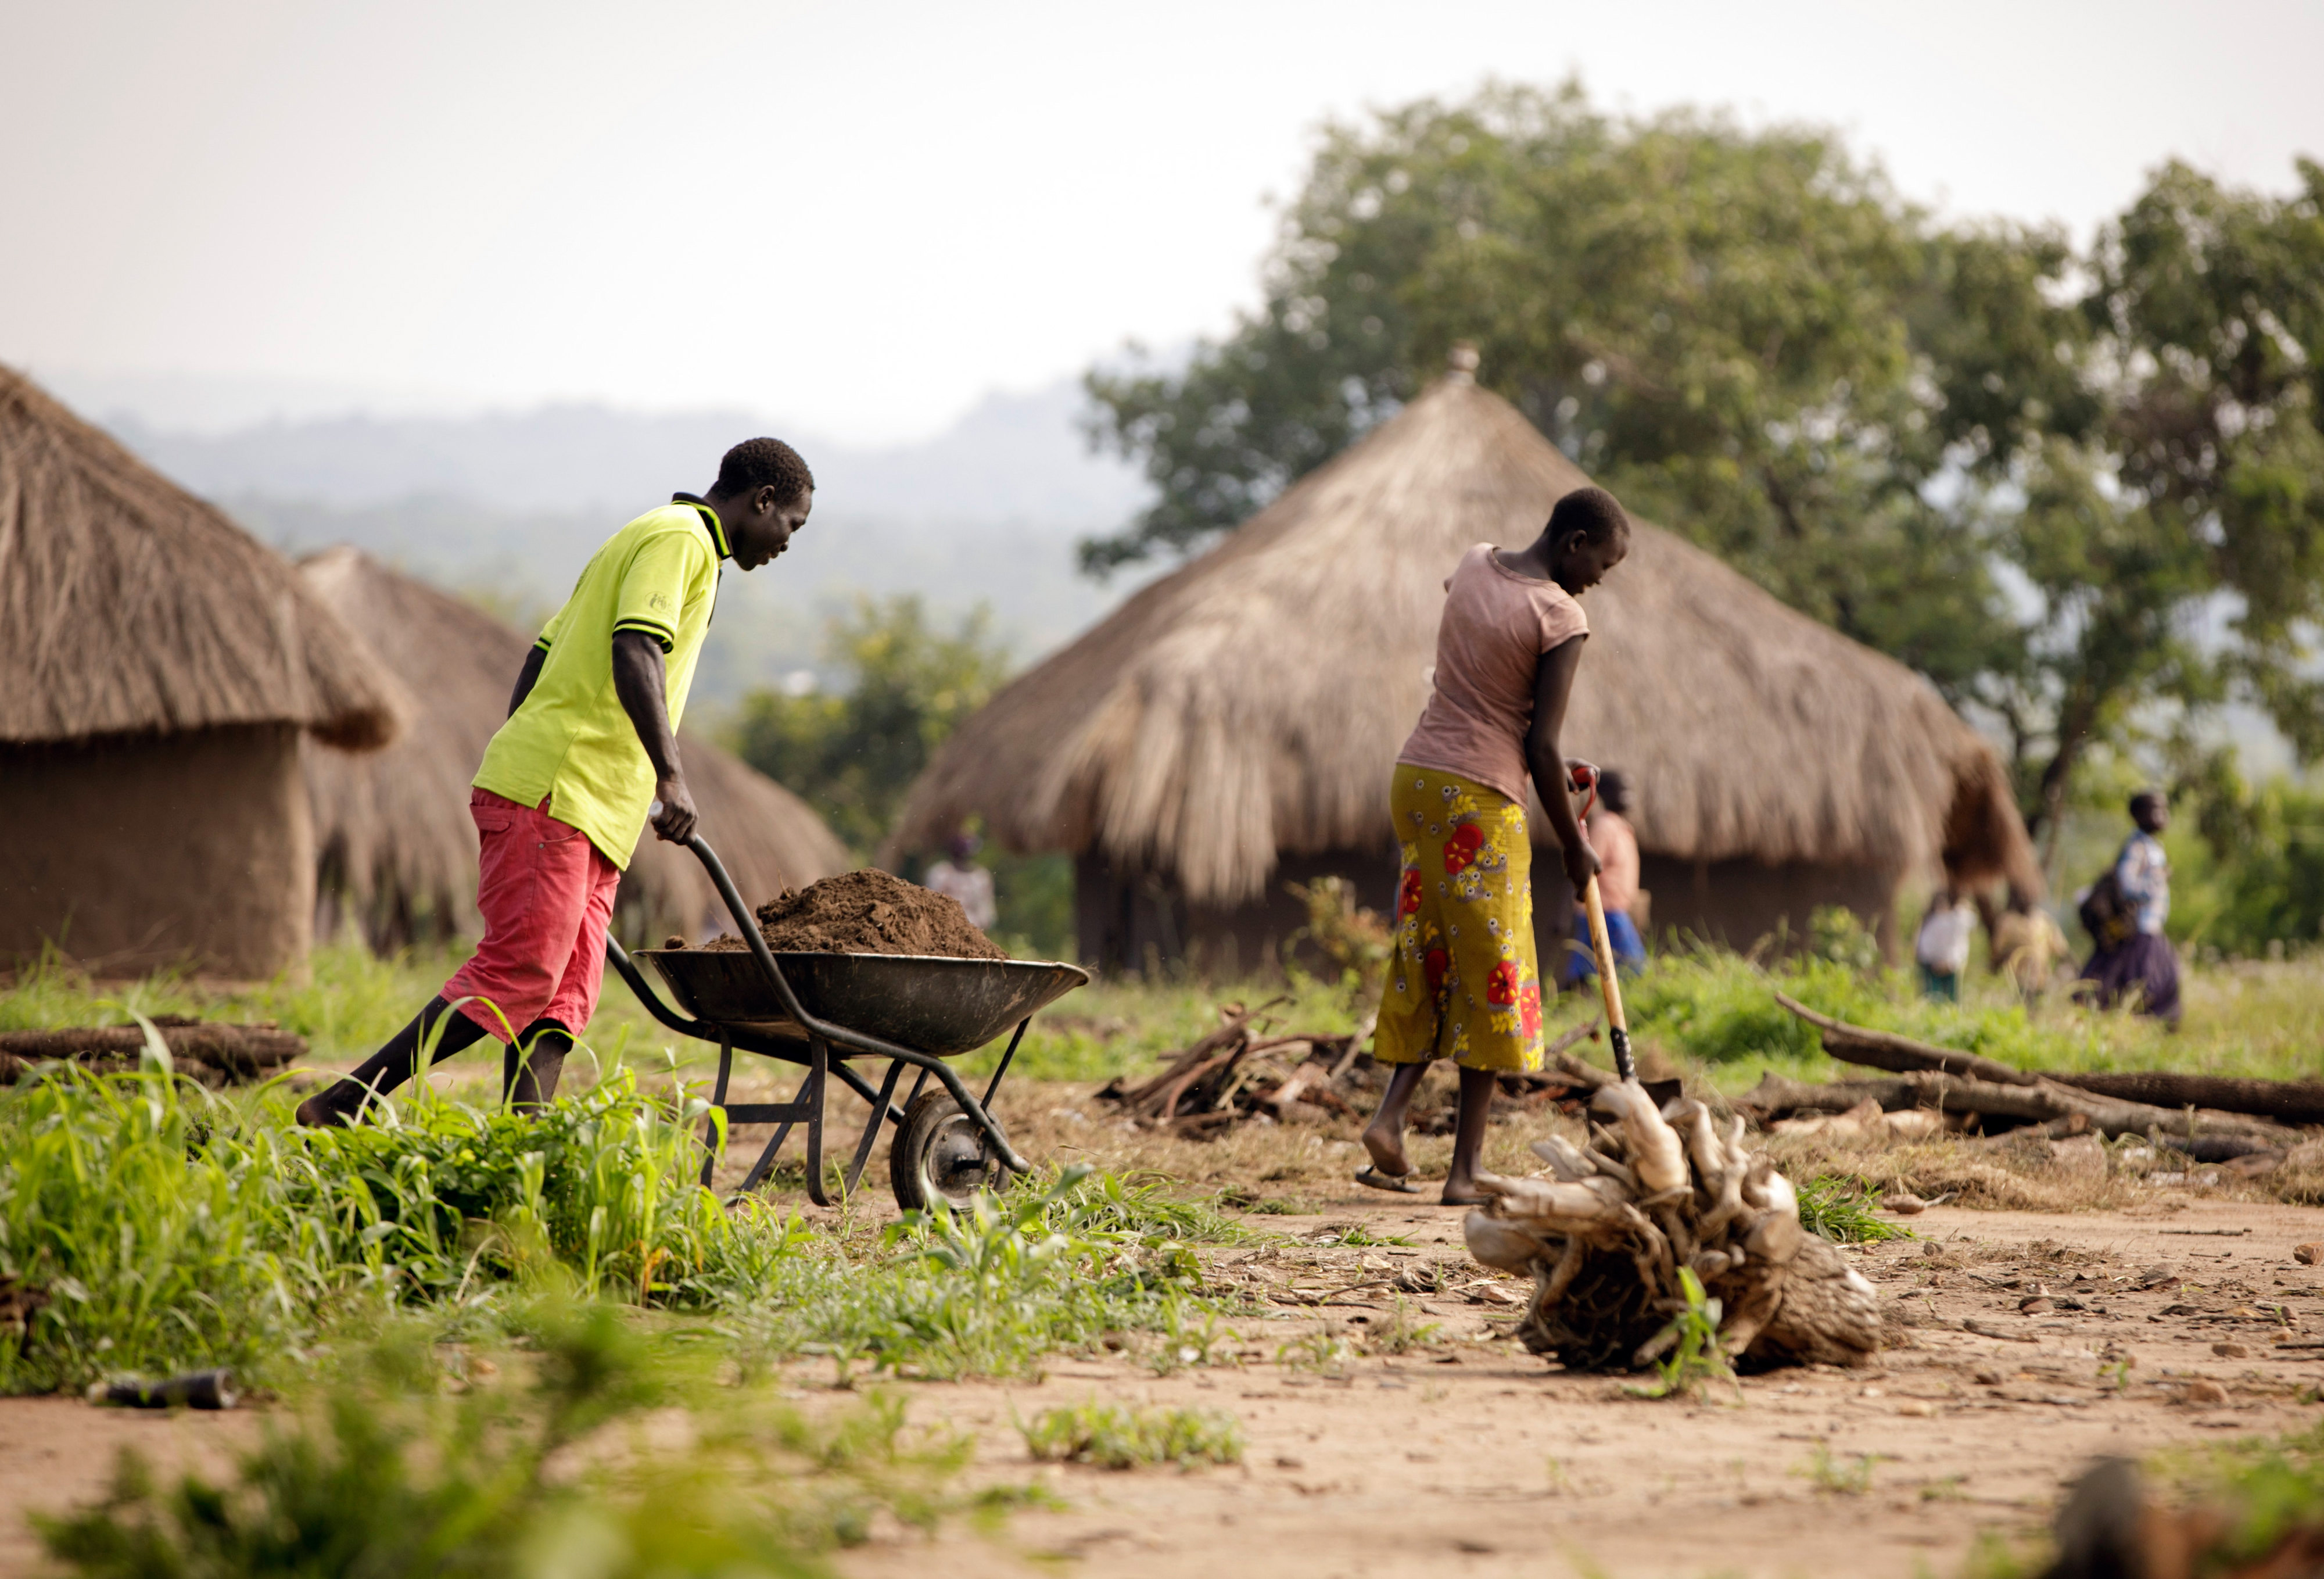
[(1464, 983)]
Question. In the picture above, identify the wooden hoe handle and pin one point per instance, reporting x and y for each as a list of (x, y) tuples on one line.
[(1618, 1029)]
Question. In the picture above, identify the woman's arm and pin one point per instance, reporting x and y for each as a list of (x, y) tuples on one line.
[(1552, 685)]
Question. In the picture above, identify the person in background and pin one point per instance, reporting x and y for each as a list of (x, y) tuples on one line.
[(567, 787), (959, 877), (2125, 910), (1617, 843), (1942, 949), (2027, 945)]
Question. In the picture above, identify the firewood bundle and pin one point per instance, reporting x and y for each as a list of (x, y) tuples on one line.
[(1236, 1073), (1604, 1230), (210, 1051)]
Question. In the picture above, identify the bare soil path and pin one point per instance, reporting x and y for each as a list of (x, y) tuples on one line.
[(1475, 1458), (2180, 1321)]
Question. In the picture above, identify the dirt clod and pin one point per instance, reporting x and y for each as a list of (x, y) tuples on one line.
[(2307, 1255), (2199, 1392), (868, 911)]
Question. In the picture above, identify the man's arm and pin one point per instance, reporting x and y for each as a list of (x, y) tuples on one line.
[(1552, 685), (642, 685), (527, 677)]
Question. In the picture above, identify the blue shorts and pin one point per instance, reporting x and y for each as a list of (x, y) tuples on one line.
[(1621, 933)]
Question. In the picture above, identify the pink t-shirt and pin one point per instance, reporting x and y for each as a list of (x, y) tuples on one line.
[(1496, 625)]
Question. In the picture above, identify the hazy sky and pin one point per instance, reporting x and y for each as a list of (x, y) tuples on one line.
[(856, 218)]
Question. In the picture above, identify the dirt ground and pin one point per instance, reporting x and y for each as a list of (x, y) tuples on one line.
[(2024, 1344)]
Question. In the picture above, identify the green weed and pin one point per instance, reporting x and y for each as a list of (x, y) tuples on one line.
[(1355, 1236), (1841, 1476), (1323, 1354), (1118, 1436), (1693, 1355), (1841, 1210), (1401, 1333)]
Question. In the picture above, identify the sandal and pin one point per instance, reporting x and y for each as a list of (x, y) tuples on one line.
[(1395, 1184)]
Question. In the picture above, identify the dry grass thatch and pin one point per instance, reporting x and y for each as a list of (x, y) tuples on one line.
[(128, 607), (396, 845), (1249, 704)]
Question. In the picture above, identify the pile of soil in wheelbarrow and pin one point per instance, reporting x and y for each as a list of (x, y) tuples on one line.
[(868, 912)]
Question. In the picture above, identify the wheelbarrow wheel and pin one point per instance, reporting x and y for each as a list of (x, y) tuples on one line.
[(939, 1157)]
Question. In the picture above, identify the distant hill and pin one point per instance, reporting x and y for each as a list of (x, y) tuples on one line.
[(510, 505)]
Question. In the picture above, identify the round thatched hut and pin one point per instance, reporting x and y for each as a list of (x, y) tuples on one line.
[(396, 850), (1230, 728), (161, 666)]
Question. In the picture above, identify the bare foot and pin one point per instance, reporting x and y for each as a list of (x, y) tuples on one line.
[(1386, 1146), (1460, 1191)]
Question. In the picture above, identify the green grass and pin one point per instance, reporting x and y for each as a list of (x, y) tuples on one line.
[(1717, 1010), (168, 1228), (1120, 1436)]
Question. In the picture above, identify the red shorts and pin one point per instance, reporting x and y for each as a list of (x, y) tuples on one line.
[(547, 894)]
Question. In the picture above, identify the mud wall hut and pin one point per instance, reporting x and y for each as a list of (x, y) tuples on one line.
[(1230, 728), (163, 668), (395, 850)]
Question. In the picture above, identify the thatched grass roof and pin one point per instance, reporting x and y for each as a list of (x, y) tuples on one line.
[(1249, 704), (392, 830), (129, 606)]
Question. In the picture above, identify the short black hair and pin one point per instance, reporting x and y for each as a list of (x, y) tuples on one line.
[(760, 463), (1592, 513), (2145, 799), (1614, 790)]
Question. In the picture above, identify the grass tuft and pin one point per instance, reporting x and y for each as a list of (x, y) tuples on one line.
[(1116, 1437), (1841, 1210)]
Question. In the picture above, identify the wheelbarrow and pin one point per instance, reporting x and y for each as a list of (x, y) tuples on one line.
[(823, 1010)]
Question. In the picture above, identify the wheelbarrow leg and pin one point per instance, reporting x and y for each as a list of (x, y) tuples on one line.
[(871, 1125), (811, 1098), (717, 1100)]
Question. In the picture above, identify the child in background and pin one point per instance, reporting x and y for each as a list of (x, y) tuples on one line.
[(1617, 843), (960, 878), (1942, 947), (1463, 981)]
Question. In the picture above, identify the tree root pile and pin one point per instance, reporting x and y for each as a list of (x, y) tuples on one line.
[(1238, 1072), (1603, 1231), (212, 1052)]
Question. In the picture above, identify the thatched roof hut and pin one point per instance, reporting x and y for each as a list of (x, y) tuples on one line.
[(396, 848), (161, 666), (1233, 724)]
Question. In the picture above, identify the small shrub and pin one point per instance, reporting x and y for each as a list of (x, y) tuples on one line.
[(1115, 1436)]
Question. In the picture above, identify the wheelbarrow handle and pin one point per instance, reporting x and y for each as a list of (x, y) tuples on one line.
[(840, 1035)]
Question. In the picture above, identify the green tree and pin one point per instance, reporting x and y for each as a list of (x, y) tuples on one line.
[(2065, 487), (853, 754), (1723, 326), (2170, 527)]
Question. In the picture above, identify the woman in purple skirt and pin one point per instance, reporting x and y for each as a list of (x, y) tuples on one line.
[(2134, 960)]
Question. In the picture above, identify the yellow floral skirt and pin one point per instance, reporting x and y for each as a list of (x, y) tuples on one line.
[(1463, 983)]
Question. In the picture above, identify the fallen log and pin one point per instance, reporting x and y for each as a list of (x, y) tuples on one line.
[(240, 1051), (2289, 1101), (1901, 1054)]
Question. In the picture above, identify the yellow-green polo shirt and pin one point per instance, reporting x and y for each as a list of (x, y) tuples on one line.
[(571, 743)]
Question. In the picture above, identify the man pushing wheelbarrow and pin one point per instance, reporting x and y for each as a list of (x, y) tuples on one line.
[(564, 792)]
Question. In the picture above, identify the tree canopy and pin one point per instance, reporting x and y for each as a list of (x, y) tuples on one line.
[(2060, 483)]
